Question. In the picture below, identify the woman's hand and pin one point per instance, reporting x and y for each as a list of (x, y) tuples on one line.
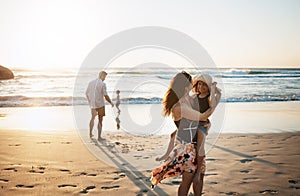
[(207, 113), (160, 158), (207, 126)]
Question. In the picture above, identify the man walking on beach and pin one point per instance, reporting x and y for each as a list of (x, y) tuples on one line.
[(95, 93)]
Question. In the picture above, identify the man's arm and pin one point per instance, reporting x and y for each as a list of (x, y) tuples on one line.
[(107, 98), (87, 94)]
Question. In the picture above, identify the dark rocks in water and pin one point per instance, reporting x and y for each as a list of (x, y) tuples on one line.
[(5, 73)]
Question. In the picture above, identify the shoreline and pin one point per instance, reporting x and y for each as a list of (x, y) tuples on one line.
[(146, 119)]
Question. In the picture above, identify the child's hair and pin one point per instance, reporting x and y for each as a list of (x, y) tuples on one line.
[(206, 78), (117, 91)]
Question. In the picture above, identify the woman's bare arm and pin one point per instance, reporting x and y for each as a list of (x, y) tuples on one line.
[(191, 114), (170, 147), (213, 101)]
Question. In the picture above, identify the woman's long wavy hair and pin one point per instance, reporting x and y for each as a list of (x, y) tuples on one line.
[(176, 91)]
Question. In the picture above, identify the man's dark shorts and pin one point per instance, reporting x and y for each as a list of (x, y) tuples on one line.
[(99, 111)]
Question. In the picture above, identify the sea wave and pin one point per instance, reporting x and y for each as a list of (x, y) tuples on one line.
[(45, 76), (23, 101), (54, 88), (260, 76)]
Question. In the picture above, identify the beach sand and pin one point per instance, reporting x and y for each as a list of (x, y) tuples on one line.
[(34, 163), (58, 162)]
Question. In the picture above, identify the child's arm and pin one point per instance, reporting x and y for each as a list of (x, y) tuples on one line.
[(213, 101), (218, 96), (170, 147)]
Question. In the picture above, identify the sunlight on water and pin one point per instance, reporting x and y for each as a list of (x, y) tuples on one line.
[(55, 87)]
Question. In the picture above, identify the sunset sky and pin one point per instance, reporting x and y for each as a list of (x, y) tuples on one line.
[(60, 33)]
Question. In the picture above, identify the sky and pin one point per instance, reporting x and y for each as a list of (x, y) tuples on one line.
[(235, 33)]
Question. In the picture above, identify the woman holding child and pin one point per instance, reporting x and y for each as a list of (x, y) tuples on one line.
[(188, 155)]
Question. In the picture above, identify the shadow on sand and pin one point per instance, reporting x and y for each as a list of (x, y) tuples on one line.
[(250, 157), (132, 173)]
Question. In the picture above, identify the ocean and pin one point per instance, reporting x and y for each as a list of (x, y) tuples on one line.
[(144, 85)]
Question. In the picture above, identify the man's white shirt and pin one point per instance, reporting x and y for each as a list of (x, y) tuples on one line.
[(96, 91)]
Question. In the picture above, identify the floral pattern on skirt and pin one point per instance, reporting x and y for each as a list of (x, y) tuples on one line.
[(182, 159)]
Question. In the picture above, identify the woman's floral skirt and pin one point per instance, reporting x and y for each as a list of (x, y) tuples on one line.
[(182, 159)]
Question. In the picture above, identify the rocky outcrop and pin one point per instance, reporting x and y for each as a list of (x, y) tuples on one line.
[(5, 73)]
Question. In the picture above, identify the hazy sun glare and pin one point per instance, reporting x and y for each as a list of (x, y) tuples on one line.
[(43, 34)]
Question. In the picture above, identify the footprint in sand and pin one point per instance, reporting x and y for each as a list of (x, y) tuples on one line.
[(294, 182), (278, 173), (43, 142), (245, 171), (109, 187), (295, 187), (65, 170), (34, 171), (211, 159), (16, 164), (243, 182), (125, 150), (23, 186), (4, 180), (212, 174), (85, 191), (245, 160), (256, 150), (275, 147), (14, 145), (82, 174), (213, 183), (86, 174), (267, 154), (268, 191), (122, 175), (142, 192), (66, 185), (232, 193), (250, 178), (66, 142), (11, 169)]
